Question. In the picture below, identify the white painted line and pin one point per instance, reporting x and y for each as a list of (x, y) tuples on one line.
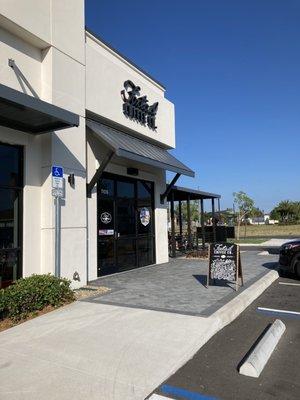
[(158, 397), (259, 356), (278, 311), (264, 253), (289, 283)]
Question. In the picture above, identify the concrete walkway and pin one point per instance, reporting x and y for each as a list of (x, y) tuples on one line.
[(106, 352)]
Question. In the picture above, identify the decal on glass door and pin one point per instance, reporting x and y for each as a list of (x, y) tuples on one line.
[(106, 217), (144, 216)]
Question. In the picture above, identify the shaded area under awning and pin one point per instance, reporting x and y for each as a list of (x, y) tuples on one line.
[(130, 147), (180, 194), (32, 115)]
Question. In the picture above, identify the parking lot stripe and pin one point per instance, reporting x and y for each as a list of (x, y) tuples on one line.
[(185, 394), (272, 311), (158, 397), (289, 283)]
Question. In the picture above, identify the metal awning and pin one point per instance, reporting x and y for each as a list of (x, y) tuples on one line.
[(181, 193), (31, 115), (130, 147)]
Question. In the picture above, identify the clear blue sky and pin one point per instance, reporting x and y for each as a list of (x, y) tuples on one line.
[(232, 68)]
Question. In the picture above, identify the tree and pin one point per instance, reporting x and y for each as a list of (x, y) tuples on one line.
[(193, 210), (286, 211), (245, 206), (256, 212)]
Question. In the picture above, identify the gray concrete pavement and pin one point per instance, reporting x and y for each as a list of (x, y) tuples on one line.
[(178, 286), (107, 352), (95, 351)]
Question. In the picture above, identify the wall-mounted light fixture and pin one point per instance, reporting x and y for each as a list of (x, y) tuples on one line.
[(132, 171), (71, 180)]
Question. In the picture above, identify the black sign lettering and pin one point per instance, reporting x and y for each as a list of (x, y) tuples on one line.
[(225, 262), (136, 107)]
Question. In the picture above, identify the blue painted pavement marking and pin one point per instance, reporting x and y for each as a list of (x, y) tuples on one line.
[(184, 394)]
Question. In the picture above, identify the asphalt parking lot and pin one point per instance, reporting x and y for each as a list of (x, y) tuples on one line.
[(213, 372)]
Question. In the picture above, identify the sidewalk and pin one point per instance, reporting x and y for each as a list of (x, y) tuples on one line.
[(100, 351)]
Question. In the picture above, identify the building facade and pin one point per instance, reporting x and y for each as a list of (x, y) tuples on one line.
[(68, 99)]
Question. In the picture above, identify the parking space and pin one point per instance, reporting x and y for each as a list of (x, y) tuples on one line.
[(179, 286), (213, 372)]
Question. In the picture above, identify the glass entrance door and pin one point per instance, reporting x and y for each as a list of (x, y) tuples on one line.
[(11, 186), (125, 224)]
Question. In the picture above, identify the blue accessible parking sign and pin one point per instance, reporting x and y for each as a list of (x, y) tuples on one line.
[(57, 172)]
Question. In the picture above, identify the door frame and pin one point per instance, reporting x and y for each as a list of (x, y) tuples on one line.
[(114, 198)]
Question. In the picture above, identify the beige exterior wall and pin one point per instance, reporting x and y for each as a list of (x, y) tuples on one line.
[(106, 73), (48, 46), (71, 69)]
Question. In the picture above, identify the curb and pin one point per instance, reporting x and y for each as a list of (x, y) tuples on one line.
[(225, 315), (261, 353), (230, 311)]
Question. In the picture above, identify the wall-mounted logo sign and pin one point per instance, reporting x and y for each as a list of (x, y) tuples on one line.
[(144, 216), (136, 107), (105, 217)]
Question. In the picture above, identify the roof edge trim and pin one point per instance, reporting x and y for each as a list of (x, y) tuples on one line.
[(124, 58)]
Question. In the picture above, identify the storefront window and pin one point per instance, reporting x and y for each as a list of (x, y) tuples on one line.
[(107, 188), (10, 213), (144, 191), (125, 189), (10, 174)]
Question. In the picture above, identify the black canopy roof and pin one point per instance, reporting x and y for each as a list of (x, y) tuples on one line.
[(182, 193), (136, 149), (31, 115)]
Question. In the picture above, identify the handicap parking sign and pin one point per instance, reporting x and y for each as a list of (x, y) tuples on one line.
[(57, 172), (57, 179)]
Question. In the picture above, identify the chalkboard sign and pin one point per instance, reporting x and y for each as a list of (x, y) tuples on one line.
[(224, 263)]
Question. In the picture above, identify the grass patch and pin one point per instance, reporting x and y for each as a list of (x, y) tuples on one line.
[(268, 231), (248, 240)]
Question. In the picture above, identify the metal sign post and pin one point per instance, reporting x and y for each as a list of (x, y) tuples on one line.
[(57, 193)]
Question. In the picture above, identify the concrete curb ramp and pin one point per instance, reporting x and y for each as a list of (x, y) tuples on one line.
[(261, 353)]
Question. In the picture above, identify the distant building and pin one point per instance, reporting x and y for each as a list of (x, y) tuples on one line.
[(264, 220)]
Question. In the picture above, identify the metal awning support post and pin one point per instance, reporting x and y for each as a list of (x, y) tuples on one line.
[(169, 188), (180, 217), (202, 224), (188, 205), (173, 241), (213, 219), (21, 77), (98, 173)]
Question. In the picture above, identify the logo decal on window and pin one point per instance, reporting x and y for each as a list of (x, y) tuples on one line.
[(144, 216), (106, 217)]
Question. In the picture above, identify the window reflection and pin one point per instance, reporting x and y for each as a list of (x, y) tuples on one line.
[(125, 189), (10, 206)]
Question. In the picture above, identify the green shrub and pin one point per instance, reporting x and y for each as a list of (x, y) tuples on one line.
[(28, 295)]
